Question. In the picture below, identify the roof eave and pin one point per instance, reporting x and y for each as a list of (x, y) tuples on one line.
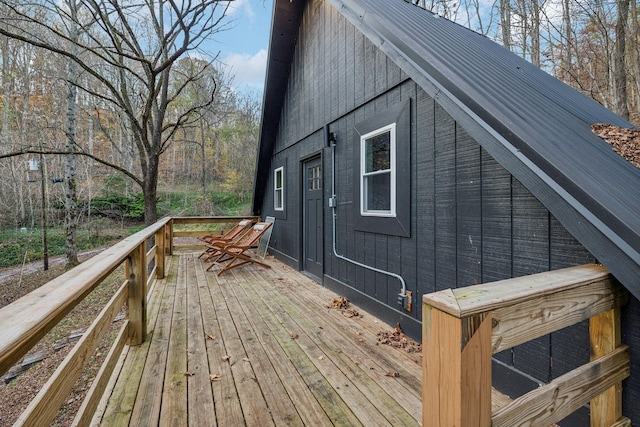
[(285, 24)]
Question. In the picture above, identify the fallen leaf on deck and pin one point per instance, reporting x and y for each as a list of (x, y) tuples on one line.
[(321, 358), (340, 303), (246, 359), (392, 374), (226, 358), (294, 336), (397, 339), (210, 337), (189, 373), (350, 313), (215, 377)]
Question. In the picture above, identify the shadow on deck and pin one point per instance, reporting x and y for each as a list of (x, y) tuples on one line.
[(258, 347)]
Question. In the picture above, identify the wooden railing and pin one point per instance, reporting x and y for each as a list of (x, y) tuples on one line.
[(463, 327), (27, 320)]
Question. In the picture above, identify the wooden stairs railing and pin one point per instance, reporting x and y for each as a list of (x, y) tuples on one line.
[(463, 328)]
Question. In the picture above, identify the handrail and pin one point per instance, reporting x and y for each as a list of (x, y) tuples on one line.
[(463, 327), (47, 305), (27, 320)]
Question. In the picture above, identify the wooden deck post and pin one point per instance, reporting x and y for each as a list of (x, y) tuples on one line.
[(605, 337), (161, 252), (137, 307), (463, 327), (456, 369), (169, 237)]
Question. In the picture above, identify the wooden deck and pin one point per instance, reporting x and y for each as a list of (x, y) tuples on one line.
[(258, 347)]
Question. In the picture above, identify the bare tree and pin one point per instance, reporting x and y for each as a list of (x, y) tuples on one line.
[(129, 49), (505, 22), (71, 165), (620, 68)]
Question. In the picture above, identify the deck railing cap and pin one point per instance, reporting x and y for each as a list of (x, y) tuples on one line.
[(476, 299)]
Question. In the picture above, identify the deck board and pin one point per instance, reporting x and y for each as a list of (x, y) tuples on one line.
[(119, 407), (280, 356), (200, 403), (225, 395), (254, 406), (354, 349), (275, 395), (174, 393), (149, 397)]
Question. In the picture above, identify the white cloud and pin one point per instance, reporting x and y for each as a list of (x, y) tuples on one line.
[(248, 70), (241, 8)]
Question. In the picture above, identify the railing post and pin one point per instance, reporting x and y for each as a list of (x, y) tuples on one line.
[(169, 237), (137, 307), (160, 252), (605, 337), (456, 369)]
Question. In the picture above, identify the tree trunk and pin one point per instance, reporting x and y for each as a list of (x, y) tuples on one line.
[(634, 57), (71, 161), (505, 23), (620, 71), (535, 33), (567, 60), (91, 164), (150, 191), (203, 159)]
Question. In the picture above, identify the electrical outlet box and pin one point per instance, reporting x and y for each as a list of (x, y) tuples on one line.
[(332, 202), (409, 301), (405, 300), (402, 300)]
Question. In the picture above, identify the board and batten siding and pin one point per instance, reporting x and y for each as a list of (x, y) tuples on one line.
[(471, 220)]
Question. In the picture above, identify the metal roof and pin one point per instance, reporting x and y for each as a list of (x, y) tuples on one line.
[(537, 127)]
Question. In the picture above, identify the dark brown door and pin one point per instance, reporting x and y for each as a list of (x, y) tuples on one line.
[(313, 206)]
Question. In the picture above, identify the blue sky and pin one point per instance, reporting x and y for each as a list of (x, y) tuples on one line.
[(244, 46)]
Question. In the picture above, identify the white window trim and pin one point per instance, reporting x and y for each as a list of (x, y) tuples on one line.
[(386, 213), (279, 198)]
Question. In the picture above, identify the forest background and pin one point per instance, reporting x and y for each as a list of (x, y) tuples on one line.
[(121, 110)]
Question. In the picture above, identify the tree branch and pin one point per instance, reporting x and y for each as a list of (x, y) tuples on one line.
[(79, 153)]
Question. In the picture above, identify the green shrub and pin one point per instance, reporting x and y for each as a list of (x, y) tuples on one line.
[(118, 206)]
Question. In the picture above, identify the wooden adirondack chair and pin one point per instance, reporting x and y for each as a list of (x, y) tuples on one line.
[(229, 237), (236, 254)]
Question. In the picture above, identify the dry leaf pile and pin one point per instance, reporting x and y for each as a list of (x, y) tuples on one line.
[(397, 339), (342, 304), (625, 142)]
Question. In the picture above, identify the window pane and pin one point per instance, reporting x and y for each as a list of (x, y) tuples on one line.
[(278, 179), (278, 189), (314, 178), (378, 153), (377, 192)]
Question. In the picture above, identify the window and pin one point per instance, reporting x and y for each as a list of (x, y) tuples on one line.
[(378, 172), (382, 172), (278, 189), (314, 178)]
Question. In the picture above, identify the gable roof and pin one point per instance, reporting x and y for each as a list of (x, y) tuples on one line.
[(535, 126)]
